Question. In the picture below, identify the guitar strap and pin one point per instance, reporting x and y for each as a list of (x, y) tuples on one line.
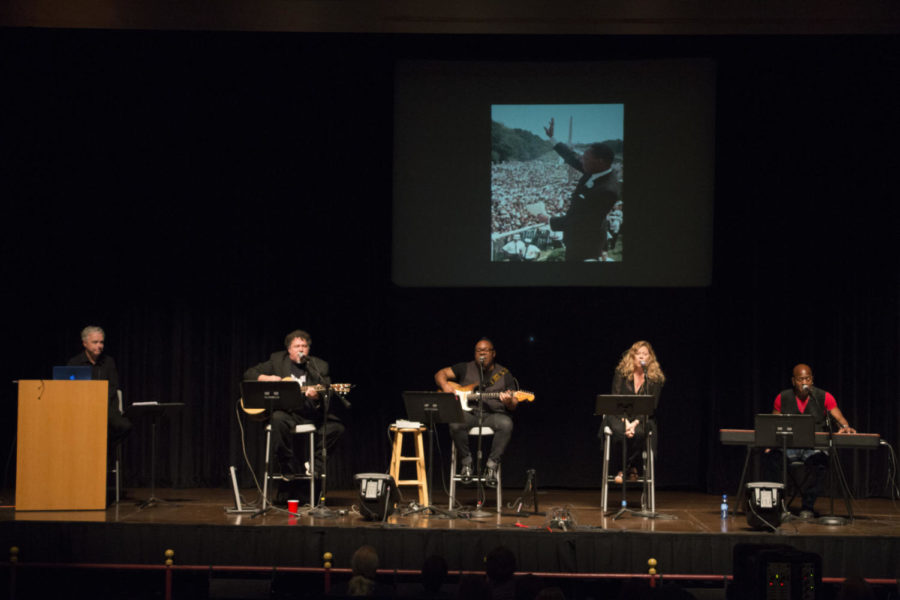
[(497, 376)]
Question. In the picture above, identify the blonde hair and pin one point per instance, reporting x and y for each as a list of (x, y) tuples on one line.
[(626, 364)]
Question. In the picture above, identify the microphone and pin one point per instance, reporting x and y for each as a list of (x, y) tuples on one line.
[(481, 359), (644, 366)]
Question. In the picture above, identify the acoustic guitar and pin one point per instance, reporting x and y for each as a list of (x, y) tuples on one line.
[(338, 388), (468, 397)]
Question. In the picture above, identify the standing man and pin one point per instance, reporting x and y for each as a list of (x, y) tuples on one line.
[(804, 399), (103, 368), (493, 378), (310, 372), (584, 226)]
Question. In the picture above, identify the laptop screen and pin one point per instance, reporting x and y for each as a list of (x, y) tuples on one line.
[(73, 373)]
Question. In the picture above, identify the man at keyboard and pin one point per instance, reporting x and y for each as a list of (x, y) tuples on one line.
[(497, 381), (804, 398)]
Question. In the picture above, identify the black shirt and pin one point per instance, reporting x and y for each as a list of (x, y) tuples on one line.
[(103, 370)]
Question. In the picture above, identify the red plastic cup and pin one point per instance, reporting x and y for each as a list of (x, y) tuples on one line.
[(293, 505)]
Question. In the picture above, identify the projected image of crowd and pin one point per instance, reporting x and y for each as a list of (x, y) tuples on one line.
[(520, 190)]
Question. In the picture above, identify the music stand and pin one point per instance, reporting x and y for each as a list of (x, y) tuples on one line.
[(639, 406), (433, 408), (155, 410), (270, 396), (784, 431)]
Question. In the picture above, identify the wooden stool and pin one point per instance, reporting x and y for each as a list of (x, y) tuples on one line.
[(397, 457)]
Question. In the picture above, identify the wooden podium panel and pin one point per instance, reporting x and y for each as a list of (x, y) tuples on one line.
[(61, 449)]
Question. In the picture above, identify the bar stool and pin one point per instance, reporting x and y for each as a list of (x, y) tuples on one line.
[(648, 480), (397, 457), (485, 431), (301, 429)]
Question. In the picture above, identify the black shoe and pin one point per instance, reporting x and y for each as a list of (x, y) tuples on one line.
[(287, 470), (490, 477), (466, 474)]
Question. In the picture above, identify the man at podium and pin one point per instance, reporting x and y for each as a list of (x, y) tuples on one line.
[(311, 373), (103, 368), (496, 379)]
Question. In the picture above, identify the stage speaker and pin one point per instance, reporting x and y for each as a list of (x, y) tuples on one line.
[(763, 508), (774, 572), (378, 495)]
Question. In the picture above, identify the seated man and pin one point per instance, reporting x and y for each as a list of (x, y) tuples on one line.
[(311, 373), (103, 367), (804, 399), (496, 378)]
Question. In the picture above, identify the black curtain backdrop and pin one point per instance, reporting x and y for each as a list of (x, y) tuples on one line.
[(199, 195)]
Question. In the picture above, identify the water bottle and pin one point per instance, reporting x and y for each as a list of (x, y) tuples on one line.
[(723, 508)]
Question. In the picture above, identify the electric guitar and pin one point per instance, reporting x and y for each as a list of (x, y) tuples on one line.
[(339, 388), (467, 395)]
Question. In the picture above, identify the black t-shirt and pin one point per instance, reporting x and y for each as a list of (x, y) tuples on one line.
[(104, 370), (469, 373)]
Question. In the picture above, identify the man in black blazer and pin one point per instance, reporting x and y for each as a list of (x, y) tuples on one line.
[(310, 372), (584, 225)]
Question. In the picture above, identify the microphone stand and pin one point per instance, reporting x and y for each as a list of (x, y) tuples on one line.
[(835, 464), (320, 510), (624, 504), (479, 513)]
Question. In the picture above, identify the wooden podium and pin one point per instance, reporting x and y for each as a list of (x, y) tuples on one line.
[(61, 449)]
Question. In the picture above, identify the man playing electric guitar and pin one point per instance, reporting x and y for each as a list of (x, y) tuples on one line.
[(497, 407), (311, 373)]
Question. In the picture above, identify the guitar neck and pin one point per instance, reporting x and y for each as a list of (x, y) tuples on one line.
[(486, 395)]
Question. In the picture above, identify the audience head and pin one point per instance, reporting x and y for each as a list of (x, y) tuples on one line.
[(474, 587), (434, 573), (500, 564), (856, 588), (528, 586), (364, 565), (550, 593)]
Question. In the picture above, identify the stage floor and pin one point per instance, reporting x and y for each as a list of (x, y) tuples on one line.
[(679, 512), (689, 537)]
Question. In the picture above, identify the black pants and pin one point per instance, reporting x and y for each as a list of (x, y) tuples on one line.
[(814, 466), (634, 447), (283, 424), (502, 425)]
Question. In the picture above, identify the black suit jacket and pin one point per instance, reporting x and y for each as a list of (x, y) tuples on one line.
[(584, 225), (279, 364)]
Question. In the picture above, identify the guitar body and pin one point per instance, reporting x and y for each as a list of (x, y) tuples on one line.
[(469, 398)]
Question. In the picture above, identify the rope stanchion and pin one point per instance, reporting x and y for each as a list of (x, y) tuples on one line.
[(170, 560), (652, 572), (327, 558), (13, 563)]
